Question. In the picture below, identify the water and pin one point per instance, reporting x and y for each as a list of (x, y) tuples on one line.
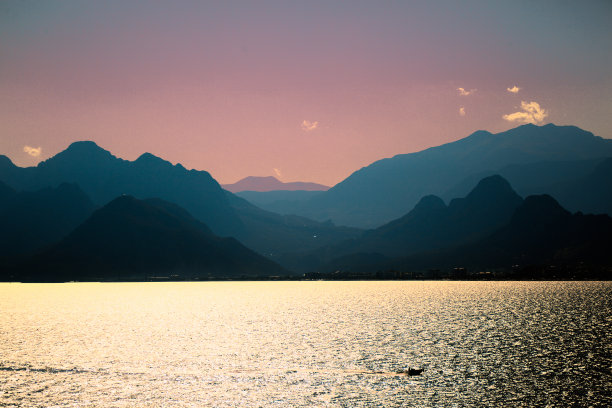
[(303, 344)]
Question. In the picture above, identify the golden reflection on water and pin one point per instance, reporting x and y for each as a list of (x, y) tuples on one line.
[(306, 344)]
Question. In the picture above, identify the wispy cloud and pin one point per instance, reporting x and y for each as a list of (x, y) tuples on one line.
[(32, 151), (531, 113), (465, 92), (514, 89), (462, 111), (277, 172), (308, 126)]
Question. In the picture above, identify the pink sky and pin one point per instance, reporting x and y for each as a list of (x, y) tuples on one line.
[(311, 92)]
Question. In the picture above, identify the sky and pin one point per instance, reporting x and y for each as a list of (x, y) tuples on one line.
[(304, 91)]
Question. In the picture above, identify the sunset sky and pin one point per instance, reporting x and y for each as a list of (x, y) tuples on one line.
[(308, 91)]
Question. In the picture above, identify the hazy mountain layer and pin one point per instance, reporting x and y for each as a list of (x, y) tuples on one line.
[(389, 188), (270, 183), (103, 177)]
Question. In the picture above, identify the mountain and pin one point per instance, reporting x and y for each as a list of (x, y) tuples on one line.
[(270, 183), (541, 240), (140, 239), (430, 225), (579, 185), (103, 177), (31, 220), (389, 188)]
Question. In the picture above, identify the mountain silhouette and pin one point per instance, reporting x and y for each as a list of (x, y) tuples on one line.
[(103, 177), (31, 220), (541, 239), (432, 225), (270, 183), (142, 239), (389, 188), (429, 225), (558, 178)]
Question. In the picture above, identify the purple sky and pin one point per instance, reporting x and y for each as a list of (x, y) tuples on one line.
[(308, 91)]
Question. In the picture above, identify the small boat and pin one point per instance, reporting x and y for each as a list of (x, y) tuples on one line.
[(411, 371)]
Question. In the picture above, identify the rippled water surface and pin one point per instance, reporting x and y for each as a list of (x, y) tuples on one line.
[(305, 344)]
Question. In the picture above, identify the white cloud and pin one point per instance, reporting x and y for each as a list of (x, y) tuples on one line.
[(277, 172), (514, 89), (308, 126), (462, 111), (464, 92), (531, 113), (32, 151)]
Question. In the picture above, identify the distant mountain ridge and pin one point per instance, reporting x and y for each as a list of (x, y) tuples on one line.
[(103, 177), (270, 183), (389, 188)]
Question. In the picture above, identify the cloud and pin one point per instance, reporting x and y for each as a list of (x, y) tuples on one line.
[(277, 172), (32, 151), (462, 111), (531, 113), (464, 92), (308, 126), (514, 89)]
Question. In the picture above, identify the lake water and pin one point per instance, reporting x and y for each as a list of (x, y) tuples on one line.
[(304, 344)]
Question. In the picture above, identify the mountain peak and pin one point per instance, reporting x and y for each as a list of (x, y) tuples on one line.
[(151, 159), (429, 202), (271, 183), (80, 152), (539, 207), (492, 185), (84, 146), (6, 162)]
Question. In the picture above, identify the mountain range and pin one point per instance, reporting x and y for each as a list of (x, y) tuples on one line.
[(389, 188), (476, 232), (271, 183), (104, 177), (86, 214)]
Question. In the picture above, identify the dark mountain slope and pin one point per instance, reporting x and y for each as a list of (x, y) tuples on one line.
[(542, 237), (388, 188), (138, 239), (430, 225), (5, 194), (103, 177), (31, 220)]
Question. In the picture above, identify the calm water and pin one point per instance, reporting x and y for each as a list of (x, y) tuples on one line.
[(306, 344)]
